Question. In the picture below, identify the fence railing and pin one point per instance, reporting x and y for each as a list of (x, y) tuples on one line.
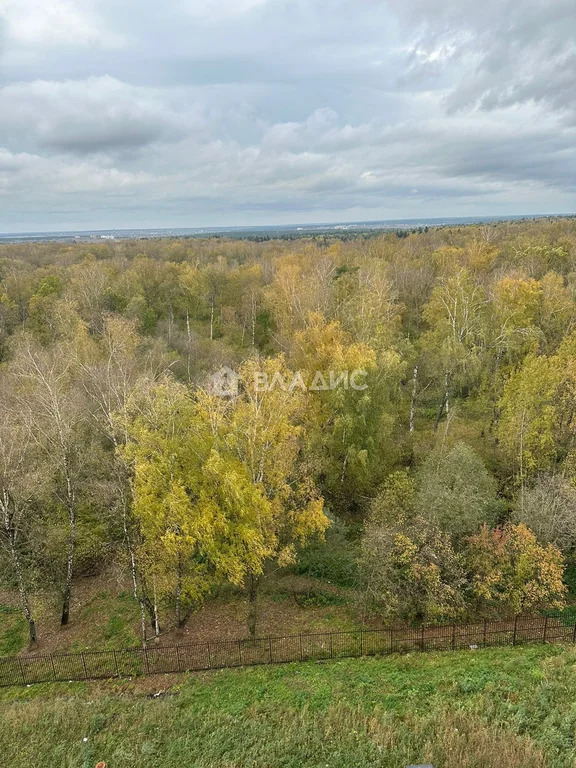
[(93, 665)]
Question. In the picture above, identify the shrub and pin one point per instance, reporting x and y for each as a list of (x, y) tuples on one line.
[(334, 559)]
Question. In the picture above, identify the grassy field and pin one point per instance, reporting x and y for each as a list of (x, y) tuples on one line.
[(502, 708)]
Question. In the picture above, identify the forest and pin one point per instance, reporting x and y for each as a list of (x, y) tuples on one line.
[(442, 489)]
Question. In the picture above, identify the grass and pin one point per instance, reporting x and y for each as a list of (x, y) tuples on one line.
[(510, 707), (112, 619), (13, 631), (106, 621)]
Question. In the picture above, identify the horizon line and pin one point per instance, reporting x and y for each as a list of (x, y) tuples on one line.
[(234, 227)]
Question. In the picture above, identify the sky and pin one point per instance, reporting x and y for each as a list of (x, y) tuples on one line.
[(186, 113)]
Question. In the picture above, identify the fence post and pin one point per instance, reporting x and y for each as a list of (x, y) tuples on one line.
[(53, 667), (270, 650), (484, 632), (178, 658), (515, 630), (422, 637), (147, 661), (116, 667), (209, 656), (361, 642), (84, 665), (331, 645), (240, 651), (545, 628), (574, 634), (302, 650), (453, 643)]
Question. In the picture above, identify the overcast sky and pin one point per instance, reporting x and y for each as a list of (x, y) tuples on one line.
[(133, 113)]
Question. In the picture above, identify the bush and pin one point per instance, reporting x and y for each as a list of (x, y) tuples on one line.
[(335, 559)]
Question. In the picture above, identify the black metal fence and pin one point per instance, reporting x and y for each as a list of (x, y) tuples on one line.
[(93, 665)]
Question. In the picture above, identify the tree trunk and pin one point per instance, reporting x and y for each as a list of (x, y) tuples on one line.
[(253, 320), (253, 584), (155, 622), (32, 637), (69, 571), (181, 616), (149, 606), (179, 602), (71, 504), (189, 347), (439, 414), (19, 572), (445, 404), (413, 397), (137, 589)]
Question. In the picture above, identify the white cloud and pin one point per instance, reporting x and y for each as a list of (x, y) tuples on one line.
[(215, 10), (53, 22)]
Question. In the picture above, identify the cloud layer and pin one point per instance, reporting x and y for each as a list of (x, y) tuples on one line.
[(201, 112)]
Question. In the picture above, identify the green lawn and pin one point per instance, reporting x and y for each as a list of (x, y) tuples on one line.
[(506, 708)]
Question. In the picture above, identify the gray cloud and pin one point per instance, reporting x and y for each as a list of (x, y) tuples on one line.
[(506, 52), (215, 112)]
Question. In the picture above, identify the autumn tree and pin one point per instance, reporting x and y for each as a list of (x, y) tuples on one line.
[(536, 427), (216, 490), (115, 373), (412, 571), (395, 501), (454, 342), (183, 533), (512, 572), (262, 429)]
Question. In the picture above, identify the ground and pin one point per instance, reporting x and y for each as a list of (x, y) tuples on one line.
[(493, 708), (105, 616)]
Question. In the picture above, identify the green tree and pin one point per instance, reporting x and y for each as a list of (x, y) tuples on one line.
[(349, 442), (197, 516), (395, 501), (456, 491), (548, 508), (53, 408)]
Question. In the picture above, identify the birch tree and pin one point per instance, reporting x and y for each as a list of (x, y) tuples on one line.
[(118, 370), (52, 409), (20, 480)]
